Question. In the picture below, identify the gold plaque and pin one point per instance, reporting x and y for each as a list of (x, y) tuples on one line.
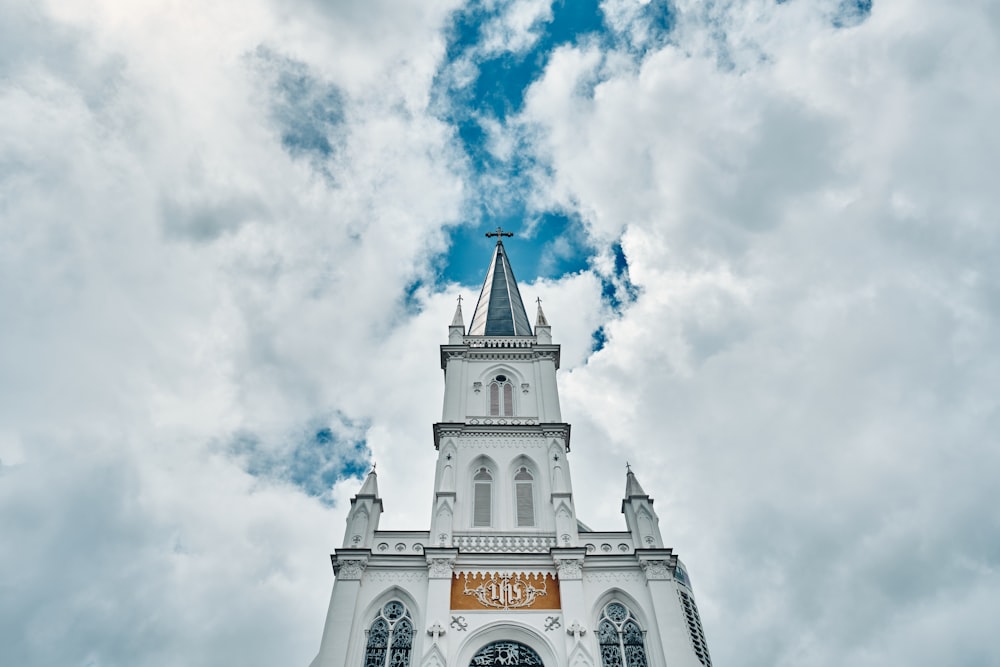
[(505, 592)]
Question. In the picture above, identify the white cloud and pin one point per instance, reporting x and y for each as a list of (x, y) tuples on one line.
[(806, 381)]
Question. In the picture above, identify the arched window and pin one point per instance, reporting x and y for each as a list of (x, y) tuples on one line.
[(482, 498), (524, 497), (620, 638), (506, 654), (390, 637), (501, 397)]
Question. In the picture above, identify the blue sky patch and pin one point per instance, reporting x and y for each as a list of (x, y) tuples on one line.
[(314, 461), (618, 290), (852, 13), (549, 245), (478, 91)]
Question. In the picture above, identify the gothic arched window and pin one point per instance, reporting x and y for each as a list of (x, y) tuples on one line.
[(501, 397), (524, 497), (482, 498), (390, 637), (620, 638), (506, 654)]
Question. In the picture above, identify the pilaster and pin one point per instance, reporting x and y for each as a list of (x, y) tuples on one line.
[(440, 568), (349, 567), (658, 566), (569, 569)]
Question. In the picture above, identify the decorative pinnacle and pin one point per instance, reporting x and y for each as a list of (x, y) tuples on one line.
[(499, 233), (540, 320)]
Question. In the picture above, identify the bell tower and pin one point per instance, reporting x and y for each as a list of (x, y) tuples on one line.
[(507, 574)]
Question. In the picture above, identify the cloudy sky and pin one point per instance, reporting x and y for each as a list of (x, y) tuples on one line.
[(232, 235)]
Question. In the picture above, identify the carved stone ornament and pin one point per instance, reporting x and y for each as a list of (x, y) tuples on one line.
[(440, 568), (477, 387), (507, 591), (656, 569), (576, 630), (436, 631), (351, 568), (570, 568)]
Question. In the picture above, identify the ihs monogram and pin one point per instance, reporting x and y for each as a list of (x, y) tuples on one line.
[(506, 591)]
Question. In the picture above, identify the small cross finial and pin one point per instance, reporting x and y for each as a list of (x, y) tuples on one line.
[(373, 467), (499, 233), (538, 301), (628, 468), (460, 299)]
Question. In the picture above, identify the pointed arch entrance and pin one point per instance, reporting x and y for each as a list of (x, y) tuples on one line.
[(506, 654)]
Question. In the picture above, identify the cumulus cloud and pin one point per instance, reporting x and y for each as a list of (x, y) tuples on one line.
[(221, 232), (813, 349)]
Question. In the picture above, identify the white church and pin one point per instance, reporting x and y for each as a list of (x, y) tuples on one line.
[(507, 574)]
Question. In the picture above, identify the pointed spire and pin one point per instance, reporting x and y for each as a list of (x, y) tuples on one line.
[(500, 311), (370, 487), (540, 320), (458, 320), (632, 486)]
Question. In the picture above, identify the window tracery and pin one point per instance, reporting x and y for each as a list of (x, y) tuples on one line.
[(501, 397), (620, 638), (506, 654), (390, 637)]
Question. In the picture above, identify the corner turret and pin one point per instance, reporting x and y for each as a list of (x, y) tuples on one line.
[(640, 517), (362, 519)]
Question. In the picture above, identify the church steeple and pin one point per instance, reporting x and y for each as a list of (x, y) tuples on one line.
[(500, 311), (506, 573)]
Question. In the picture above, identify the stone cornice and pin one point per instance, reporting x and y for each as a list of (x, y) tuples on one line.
[(459, 429), (501, 347)]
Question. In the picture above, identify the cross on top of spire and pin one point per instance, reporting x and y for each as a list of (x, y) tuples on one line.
[(499, 233), (499, 310)]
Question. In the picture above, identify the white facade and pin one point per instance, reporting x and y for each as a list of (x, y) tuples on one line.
[(507, 575)]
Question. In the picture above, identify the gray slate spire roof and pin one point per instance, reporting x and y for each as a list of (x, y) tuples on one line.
[(500, 311)]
